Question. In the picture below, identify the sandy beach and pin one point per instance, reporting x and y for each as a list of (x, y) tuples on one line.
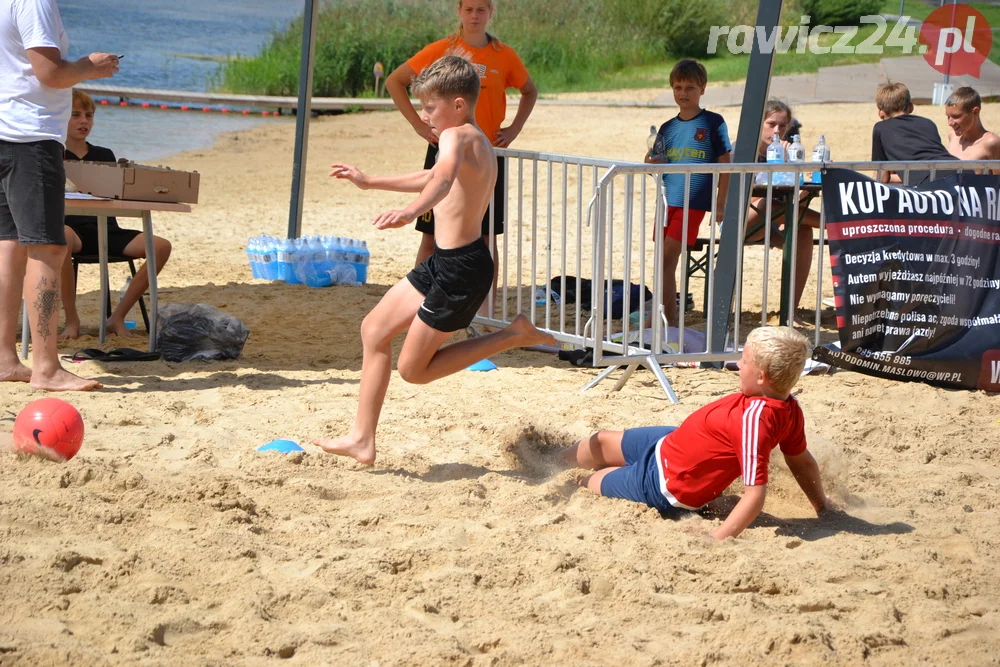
[(171, 540)]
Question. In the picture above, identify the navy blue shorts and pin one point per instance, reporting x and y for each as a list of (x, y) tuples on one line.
[(639, 480)]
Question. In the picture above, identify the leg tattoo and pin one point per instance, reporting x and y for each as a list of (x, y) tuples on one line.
[(47, 303)]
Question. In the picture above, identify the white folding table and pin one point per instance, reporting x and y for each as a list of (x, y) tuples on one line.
[(122, 208)]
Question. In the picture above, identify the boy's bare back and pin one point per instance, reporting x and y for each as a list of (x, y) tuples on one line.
[(459, 215)]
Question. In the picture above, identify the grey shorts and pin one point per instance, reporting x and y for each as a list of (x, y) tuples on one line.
[(32, 193)]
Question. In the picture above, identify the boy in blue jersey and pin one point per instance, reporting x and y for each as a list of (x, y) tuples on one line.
[(697, 136)]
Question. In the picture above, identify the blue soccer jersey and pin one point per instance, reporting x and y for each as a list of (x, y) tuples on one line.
[(701, 140)]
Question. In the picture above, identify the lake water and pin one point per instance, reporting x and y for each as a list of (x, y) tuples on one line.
[(162, 41)]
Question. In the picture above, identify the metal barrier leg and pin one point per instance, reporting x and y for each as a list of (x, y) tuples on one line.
[(597, 380), (657, 370), (650, 363), (625, 376)]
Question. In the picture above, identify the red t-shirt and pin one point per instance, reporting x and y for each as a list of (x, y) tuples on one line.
[(726, 439), (499, 68)]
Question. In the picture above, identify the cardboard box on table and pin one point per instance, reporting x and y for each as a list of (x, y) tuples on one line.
[(128, 180)]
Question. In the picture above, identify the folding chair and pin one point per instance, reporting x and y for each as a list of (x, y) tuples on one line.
[(112, 259)]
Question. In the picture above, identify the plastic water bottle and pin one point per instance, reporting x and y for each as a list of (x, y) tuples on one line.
[(796, 153), (283, 257), (325, 252), (776, 155), (335, 250), (365, 260), (317, 252), (265, 256), (541, 298), (313, 275), (302, 257), (252, 258), (346, 274), (821, 153), (353, 254), (269, 270), (651, 139), (260, 255), (130, 322)]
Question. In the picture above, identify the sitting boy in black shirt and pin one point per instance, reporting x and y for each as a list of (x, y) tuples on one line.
[(901, 136), (81, 230)]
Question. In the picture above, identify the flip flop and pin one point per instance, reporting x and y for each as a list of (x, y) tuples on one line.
[(117, 354)]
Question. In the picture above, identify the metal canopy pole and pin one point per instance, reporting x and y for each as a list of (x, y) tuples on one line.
[(304, 111), (755, 95)]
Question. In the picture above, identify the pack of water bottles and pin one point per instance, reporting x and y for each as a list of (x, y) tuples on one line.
[(316, 261)]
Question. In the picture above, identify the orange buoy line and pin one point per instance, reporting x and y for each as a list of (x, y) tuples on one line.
[(184, 107)]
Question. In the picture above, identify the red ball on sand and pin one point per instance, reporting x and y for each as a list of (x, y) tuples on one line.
[(49, 427)]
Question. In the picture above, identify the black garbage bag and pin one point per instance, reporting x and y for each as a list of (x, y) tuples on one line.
[(199, 331), (617, 294)]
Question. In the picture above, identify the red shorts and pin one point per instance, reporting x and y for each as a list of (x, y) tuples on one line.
[(675, 224)]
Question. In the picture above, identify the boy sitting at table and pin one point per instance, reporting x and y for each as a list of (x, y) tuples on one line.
[(777, 119), (81, 230)]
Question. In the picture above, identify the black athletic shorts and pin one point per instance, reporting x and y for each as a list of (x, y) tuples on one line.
[(85, 227), (454, 282), (425, 223), (32, 193)]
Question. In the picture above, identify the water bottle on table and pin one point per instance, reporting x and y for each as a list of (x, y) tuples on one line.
[(796, 154), (821, 153), (776, 155)]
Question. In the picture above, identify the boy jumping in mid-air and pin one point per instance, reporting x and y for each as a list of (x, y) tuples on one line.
[(443, 293), (682, 468)]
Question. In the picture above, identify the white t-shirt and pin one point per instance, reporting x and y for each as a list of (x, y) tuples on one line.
[(29, 110)]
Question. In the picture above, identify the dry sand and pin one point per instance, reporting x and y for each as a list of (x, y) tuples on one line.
[(169, 540)]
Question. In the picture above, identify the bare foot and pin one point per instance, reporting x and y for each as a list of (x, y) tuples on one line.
[(16, 372), (361, 450), (527, 334), (118, 328), (70, 331), (63, 380)]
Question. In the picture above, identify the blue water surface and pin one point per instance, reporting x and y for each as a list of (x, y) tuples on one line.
[(158, 39)]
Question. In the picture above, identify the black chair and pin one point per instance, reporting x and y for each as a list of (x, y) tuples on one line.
[(112, 259)]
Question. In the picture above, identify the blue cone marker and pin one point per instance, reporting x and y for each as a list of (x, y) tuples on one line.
[(282, 446)]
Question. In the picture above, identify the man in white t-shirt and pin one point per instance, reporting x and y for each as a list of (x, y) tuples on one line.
[(35, 105)]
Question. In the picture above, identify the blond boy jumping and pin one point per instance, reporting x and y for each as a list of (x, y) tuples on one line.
[(442, 294)]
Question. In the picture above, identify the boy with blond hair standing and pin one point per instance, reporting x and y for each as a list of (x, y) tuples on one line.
[(442, 294), (682, 468), (694, 135)]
